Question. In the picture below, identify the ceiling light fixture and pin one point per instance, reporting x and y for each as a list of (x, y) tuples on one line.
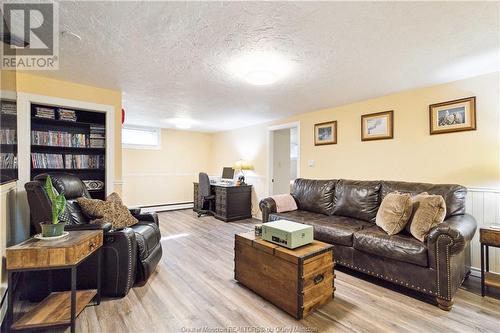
[(182, 123), (260, 68), (260, 78)]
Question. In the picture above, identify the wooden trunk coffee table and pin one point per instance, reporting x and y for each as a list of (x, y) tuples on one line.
[(297, 281)]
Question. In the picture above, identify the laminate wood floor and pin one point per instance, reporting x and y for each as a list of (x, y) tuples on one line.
[(193, 291)]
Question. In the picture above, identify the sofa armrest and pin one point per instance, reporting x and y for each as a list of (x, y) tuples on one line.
[(267, 206), (105, 227), (134, 211), (148, 217), (120, 260), (459, 229)]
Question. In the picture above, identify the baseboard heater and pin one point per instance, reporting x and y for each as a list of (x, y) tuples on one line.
[(166, 207)]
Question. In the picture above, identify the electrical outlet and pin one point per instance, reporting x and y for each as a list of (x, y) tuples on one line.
[(311, 163)]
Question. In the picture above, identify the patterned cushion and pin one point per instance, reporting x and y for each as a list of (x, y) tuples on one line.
[(112, 210), (394, 212), (428, 212)]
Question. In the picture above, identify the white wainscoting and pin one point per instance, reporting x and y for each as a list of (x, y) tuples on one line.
[(484, 205), (7, 215)]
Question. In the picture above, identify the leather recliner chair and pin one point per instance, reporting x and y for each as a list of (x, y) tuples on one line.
[(129, 256)]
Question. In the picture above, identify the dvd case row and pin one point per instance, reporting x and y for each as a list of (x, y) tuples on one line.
[(66, 161), (59, 139), (8, 107), (8, 136), (50, 113), (8, 161)]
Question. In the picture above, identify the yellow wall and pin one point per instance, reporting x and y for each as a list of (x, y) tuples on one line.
[(468, 158), (165, 176), (28, 83), (8, 80)]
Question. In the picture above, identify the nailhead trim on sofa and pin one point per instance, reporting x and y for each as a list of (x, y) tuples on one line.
[(447, 297), (402, 283)]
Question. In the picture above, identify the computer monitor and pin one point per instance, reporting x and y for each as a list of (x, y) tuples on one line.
[(227, 173)]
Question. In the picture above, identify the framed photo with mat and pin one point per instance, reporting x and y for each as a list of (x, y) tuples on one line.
[(325, 133), (377, 126), (453, 116)]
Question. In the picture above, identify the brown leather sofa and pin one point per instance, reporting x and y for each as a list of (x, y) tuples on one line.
[(343, 213)]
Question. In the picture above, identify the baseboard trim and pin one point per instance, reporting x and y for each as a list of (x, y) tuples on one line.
[(165, 207), (477, 272)]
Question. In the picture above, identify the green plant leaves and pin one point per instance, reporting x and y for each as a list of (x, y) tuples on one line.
[(58, 200), (49, 188)]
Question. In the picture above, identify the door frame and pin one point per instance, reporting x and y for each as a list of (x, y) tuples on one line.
[(270, 148)]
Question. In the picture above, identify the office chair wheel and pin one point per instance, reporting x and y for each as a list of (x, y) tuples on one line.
[(199, 214)]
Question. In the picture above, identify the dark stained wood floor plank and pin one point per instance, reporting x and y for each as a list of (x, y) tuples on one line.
[(193, 287)]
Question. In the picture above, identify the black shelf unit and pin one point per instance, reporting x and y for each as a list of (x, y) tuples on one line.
[(84, 120), (8, 151)]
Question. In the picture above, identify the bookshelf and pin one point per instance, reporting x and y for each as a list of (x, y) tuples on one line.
[(69, 140), (8, 141)]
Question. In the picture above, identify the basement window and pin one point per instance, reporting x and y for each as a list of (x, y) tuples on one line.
[(135, 137)]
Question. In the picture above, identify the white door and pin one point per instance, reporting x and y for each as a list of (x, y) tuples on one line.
[(281, 161), (285, 161)]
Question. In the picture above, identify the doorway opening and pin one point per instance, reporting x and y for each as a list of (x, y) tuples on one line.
[(284, 157)]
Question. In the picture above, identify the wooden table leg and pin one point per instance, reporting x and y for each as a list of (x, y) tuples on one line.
[(482, 270), (73, 298), (99, 273), (487, 258), (10, 302)]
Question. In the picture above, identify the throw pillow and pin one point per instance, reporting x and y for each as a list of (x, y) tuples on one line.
[(112, 210), (284, 203), (428, 212), (394, 212)]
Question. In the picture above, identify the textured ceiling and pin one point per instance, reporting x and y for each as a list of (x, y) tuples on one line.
[(170, 58)]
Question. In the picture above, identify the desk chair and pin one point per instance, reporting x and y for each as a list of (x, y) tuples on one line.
[(205, 193)]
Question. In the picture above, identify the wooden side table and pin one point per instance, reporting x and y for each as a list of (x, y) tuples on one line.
[(59, 309), (488, 237)]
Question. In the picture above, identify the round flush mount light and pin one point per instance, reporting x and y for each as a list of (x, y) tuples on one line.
[(260, 68), (260, 78), (181, 123)]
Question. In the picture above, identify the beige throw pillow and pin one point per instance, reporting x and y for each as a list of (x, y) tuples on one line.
[(394, 212), (112, 210), (428, 211)]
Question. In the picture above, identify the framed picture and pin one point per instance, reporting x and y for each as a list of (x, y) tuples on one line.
[(453, 116), (325, 133), (377, 126)]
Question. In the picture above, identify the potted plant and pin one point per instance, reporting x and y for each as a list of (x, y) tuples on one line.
[(55, 227)]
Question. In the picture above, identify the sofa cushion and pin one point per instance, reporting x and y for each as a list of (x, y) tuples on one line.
[(428, 212), (394, 212), (299, 216), (400, 247), (337, 230), (454, 195), (357, 199), (314, 195)]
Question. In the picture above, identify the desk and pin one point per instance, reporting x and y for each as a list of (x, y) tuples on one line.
[(232, 202)]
